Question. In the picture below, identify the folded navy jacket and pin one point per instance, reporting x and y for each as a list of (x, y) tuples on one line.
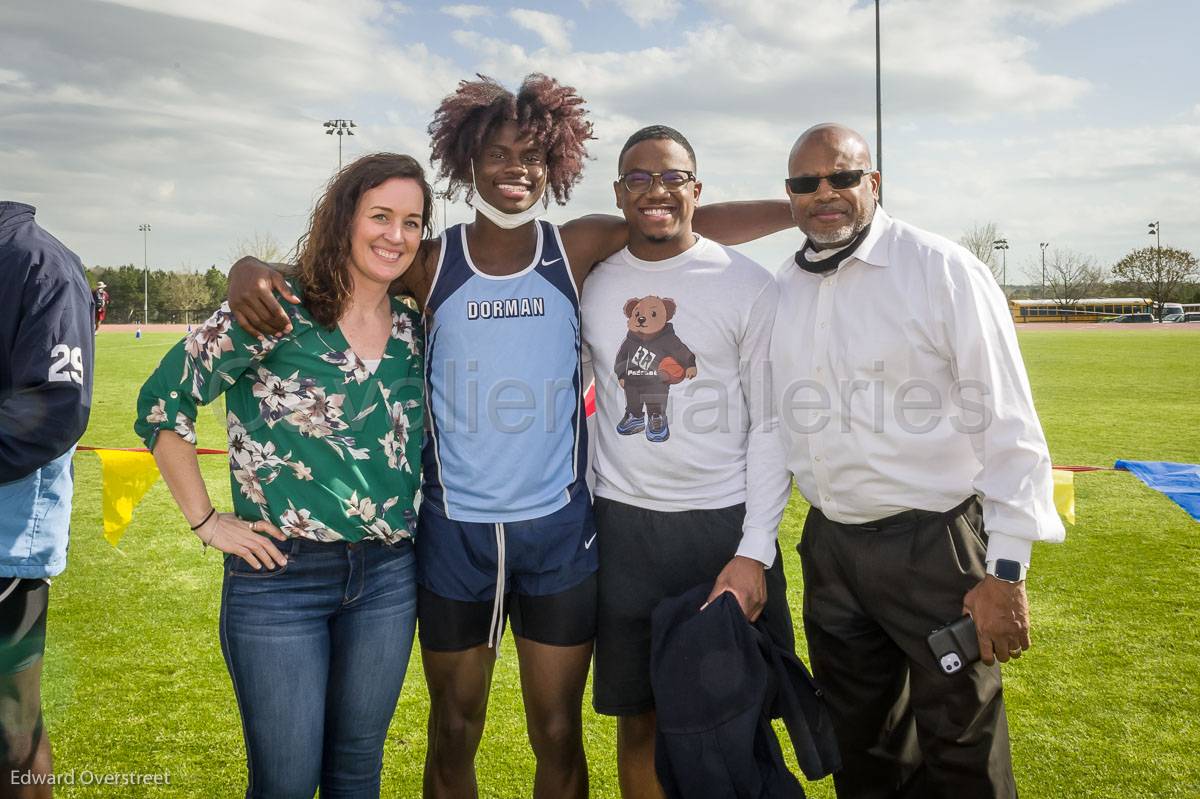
[(718, 681)]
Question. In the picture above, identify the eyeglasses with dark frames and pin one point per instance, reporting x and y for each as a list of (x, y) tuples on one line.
[(846, 179), (639, 181)]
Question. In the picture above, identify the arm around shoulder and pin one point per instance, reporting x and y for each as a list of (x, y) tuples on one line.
[(592, 238), (737, 222), (252, 287)]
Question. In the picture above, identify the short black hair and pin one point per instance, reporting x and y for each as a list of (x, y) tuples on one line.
[(651, 132)]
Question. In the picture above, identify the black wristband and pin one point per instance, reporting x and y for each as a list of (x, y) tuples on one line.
[(203, 521)]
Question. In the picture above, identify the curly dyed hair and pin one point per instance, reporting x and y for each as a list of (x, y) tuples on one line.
[(543, 108), (323, 261)]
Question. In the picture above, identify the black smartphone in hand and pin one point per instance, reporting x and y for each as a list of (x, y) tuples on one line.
[(955, 645)]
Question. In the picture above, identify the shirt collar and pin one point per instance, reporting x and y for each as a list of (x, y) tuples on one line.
[(875, 247), (13, 211)]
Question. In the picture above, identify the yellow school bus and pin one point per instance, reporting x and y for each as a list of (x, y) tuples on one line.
[(1090, 310)]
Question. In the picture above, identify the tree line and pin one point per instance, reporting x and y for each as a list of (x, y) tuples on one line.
[(176, 297), (173, 296), (1161, 274)]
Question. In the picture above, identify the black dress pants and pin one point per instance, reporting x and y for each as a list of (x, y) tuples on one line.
[(872, 593)]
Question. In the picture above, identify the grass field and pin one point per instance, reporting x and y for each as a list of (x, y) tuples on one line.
[(1107, 704)]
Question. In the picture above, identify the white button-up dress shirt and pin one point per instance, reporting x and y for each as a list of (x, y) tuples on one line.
[(900, 386)]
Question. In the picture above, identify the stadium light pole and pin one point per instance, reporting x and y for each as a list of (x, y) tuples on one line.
[(1153, 231), (1044, 245), (343, 128), (1002, 245), (145, 229), (878, 108)]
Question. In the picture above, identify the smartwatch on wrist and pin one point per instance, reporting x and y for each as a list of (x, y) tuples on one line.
[(1010, 571)]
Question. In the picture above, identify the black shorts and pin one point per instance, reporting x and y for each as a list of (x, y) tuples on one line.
[(567, 618), (544, 568), (645, 557), (22, 622)]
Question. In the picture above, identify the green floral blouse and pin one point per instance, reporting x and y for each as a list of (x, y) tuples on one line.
[(318, 445)]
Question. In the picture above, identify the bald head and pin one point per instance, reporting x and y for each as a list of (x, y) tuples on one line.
[(831, 216), (832, 136)]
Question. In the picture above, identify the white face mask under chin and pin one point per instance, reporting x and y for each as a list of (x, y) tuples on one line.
[(499, 218)]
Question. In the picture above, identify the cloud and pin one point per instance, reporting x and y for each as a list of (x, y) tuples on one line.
[(1059, 12), (203, 119), (498, 52), (466, 13), (310, 22), (551, 28), (1089, 189), (647, 12), (744, 81), (813, 61), (12, 79)]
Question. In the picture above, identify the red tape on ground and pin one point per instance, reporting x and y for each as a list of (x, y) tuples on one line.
[(84, 448)]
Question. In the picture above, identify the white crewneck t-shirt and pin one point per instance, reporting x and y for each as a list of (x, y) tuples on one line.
[(710, 309)]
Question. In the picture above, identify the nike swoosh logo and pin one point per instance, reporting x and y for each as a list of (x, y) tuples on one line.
[(547, 263), (588, 544)]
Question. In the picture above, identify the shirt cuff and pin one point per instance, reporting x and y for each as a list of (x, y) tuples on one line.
[(759, 545), (166, 414), (1009, 547)]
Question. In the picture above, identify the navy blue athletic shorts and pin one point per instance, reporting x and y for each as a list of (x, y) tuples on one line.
[(648, 556), (543, 571)]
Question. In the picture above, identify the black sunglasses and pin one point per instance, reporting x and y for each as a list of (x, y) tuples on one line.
[(640, 181), (847, 179)]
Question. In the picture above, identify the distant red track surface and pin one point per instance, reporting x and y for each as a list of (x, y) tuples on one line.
[(131, 329)]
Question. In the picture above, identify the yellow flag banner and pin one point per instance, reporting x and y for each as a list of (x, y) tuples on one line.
[(127, 477), (1064, 493), (126, 474)]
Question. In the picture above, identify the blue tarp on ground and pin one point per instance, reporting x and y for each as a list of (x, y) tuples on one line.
[(1179, 481)]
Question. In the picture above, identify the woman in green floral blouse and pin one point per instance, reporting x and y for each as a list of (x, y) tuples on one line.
[(318, 604)]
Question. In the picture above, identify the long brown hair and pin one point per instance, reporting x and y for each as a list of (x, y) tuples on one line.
[(322, 264)]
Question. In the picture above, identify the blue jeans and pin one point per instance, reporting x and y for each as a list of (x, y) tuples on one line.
[(317, 651)]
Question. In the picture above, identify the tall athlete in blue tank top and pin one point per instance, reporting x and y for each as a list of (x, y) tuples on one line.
[(506, 528), (506, 509), (507, 441)]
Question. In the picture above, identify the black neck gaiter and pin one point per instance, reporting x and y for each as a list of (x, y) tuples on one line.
[(827, 265)]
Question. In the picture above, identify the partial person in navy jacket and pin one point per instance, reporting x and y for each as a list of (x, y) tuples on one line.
[(46, 349)]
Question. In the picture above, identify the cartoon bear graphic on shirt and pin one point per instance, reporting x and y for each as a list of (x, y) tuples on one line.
[(649, 362)]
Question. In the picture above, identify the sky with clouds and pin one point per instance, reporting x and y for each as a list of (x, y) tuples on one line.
[(1069, 121)]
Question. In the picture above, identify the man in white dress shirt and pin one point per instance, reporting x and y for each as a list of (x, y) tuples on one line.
[(909, 426)]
